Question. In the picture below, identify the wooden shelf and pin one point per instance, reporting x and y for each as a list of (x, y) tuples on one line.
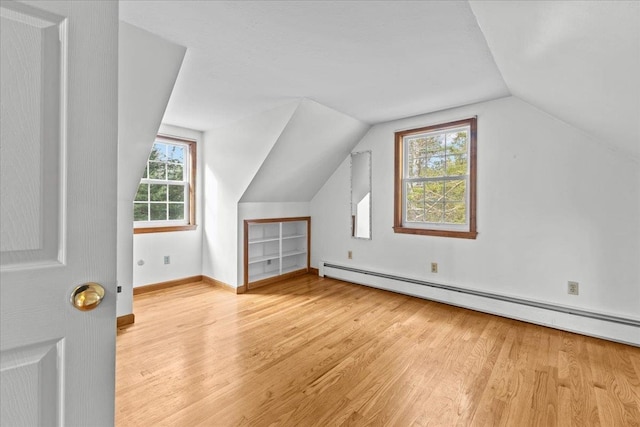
[(293, 240), (264, 240), (292, 269), (293, 253), (264, 258), (296, 236), (264, 276)]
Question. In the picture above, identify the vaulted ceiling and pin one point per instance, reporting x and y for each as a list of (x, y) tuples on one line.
[(374, 61), (382, 60), (576, 60)]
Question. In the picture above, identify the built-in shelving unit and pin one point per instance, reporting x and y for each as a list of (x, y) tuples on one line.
[(275, 248)]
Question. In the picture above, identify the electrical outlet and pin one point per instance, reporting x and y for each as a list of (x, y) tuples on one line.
[(350, 255), (573, 288), (119, 289), (167, 260), (434, 267), (268, 262)]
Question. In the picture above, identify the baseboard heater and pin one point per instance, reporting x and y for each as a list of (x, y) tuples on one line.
[(630, 333)]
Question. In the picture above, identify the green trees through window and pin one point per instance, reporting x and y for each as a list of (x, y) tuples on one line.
[(435, 180), (163, 196), (436, 185)]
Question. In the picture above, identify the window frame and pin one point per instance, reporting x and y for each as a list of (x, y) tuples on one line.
[(441, 230), (191, 218)]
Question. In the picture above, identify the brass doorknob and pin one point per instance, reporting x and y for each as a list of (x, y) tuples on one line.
[(87, 297)]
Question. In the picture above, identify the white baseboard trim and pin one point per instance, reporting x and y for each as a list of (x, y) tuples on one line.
[(571, 319)]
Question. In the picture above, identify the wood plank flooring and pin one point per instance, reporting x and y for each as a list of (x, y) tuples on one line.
[(320, 352)]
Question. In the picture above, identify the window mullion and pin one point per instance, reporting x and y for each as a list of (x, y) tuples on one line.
[(148, 199), (435, 179), (424, 201), (444, 203)]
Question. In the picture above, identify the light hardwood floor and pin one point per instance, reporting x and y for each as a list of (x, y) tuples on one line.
[(320, 352)]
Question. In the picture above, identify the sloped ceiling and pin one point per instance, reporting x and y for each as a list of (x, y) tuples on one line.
[(147, 70), (577, 60), (310, 148), (374, 61), (235, 153), (383, 60)]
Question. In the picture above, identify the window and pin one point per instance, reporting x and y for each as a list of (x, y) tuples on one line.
[(165, 200), (435, 180)]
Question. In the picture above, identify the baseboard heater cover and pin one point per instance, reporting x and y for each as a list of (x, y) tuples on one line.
[(631, 327)]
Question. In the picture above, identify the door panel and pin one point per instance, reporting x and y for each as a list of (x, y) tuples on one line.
[(31, 378), (58, 150), (32, 42)]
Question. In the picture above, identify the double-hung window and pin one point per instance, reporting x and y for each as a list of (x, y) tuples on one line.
[(435, 180), (165, 200)]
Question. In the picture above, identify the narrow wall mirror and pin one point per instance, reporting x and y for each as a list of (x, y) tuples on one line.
[(361, 195)]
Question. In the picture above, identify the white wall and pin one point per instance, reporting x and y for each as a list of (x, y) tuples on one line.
[(276, 158), (231, 158), (264, 210), (553, 205), (147, 70), (183, 247)]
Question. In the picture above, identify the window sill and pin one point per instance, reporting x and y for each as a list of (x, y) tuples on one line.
[(143, 230), (438, 233)]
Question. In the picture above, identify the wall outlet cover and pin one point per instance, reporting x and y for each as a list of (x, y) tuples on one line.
[(573, 288)]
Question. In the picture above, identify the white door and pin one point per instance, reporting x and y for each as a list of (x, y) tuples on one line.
[(58, 210)]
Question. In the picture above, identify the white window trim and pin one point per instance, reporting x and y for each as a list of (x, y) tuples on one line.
[(435, 225)]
